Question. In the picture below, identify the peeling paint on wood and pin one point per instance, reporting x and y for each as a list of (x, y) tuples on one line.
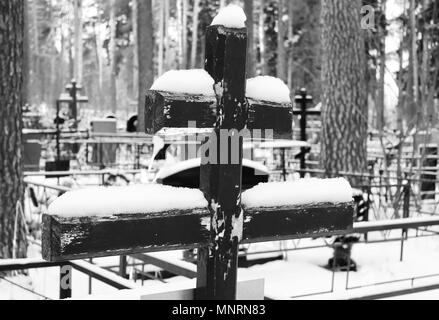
[(80, 238)]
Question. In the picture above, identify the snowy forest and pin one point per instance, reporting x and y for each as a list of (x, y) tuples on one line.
[(111, 119)]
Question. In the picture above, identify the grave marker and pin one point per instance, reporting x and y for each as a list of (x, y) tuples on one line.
[(218, 228)]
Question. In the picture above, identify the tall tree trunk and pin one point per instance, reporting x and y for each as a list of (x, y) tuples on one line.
[(290, 59), (166, 36), (35, 54), (98, 62), (195, 33), (11, 170), (184, 33), (425, 63), (382, 69), (145, 43), (344, 100), (135, 78), (281, 72), (261, 31), (78, 40), (26, 54), (113, 63), (179, 15), (401, 99), (161, 37), (414, 83), (248, 8), (181, 22)]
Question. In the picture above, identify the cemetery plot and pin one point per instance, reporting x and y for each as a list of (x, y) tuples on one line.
[(124, 221)]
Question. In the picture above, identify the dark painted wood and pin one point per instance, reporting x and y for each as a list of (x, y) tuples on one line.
[(309, 112), (265, 115), (123, 263), (263, 224), (25, 264), (81, 238), (221, 182), (175, 110), (77, 238)]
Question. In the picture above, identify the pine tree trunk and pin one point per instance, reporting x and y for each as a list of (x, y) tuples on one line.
[(382, 72), (344, 88), (184, 33), (195, 33), (290, 59), (11, 174), (135, 69), (26, 55), (78, 40), (145, 43), (261, 31), (98, 61), (113, 65), (281, 72), (166, 36), (161, 37)]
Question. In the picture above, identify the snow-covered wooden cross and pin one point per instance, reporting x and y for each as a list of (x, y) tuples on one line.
[(216, 219)]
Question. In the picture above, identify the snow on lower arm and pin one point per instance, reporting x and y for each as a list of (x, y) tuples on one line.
[(300, 192), (231, 16), (195, 81), (107, 201), (268, 88)]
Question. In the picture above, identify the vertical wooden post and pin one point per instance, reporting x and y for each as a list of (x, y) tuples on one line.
[(221, 182), (123, 267)]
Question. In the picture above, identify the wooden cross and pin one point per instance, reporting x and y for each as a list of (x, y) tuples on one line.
[(217, 230), (303, 99)]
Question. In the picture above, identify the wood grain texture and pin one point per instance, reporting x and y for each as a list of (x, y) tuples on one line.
[(85, 237), (171, 110), (80, 238), (221, 181), (266, 224), (265, 115)]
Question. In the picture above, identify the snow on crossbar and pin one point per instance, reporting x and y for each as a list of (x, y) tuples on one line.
[(125, 220)]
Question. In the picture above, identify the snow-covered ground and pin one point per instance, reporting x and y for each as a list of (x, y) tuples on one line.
[(301, 274)]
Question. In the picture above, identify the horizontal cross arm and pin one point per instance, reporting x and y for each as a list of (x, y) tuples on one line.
[(68, 238), (78, 238)]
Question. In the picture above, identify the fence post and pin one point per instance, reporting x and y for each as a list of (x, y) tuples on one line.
[(123, 267), (405, 214)]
